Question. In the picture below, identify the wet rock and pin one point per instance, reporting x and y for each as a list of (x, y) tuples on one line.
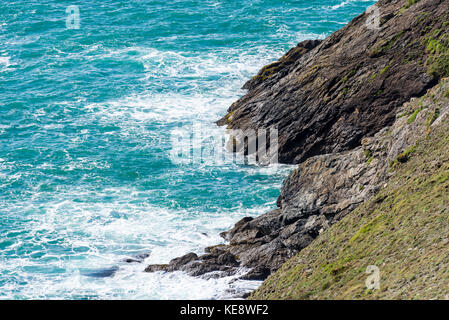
[(258, 273), (156, 267), (250, 230), (137, 258), (173, 265), (103, 273), (184, 259), (318, 193)]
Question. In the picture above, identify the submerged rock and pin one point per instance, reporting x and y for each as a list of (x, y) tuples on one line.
[(102, 273), (137, 258)]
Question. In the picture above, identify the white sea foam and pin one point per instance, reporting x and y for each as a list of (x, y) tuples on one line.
[(214, 81), (5, 63), (5, 60), (345, 3), (110, 232)]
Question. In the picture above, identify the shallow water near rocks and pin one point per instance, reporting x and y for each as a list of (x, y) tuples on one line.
[(86, 178)]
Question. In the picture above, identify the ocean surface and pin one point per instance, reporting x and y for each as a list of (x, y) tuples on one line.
[(87, 115)]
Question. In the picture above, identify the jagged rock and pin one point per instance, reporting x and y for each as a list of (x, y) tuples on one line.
[(400, 229), (137, 258), (332, 94), (174, 264), (249, 229), (258, 273), (184, 259), (156, 268)]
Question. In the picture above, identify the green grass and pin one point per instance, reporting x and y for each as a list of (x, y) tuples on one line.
[(408, 5), (411, 3), (384, 70), (405, 156), (412, 118), (432, 117), (438, 49)]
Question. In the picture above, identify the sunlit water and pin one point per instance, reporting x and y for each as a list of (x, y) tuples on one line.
[(86, 116)]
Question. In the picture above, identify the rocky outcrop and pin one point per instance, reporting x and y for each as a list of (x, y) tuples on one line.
[(346, 113), (324, 97)]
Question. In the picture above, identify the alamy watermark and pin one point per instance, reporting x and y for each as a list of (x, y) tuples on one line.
[(73, 17), (373, 280), (196, 145), (373, 20)]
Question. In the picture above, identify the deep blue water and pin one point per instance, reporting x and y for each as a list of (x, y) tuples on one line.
[(86, 121)]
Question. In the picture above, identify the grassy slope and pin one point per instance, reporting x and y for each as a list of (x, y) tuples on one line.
[(404, 230)]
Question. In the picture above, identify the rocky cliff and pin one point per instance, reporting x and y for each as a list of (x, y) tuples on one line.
[(349, 110)]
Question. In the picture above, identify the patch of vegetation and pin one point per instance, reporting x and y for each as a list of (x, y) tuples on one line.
[(368, 153), (384, 70), (408, 5), (423, 16), (369, 156), (439, 65), (411, 3), (228, 116), (433, 116), (412, 118), (438, 50), (405, 156), (378, 93), (402, 115), (349, 75), (268, 71)]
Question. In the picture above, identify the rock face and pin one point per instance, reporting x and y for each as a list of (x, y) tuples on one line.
[(324, 97), (346, 114)]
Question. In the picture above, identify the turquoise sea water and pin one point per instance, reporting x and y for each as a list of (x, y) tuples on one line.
[(86, 118)]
